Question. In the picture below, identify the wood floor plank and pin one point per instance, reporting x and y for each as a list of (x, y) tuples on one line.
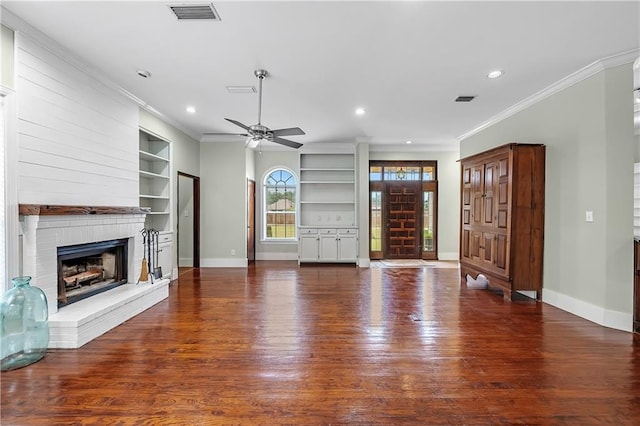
[(281, 344)]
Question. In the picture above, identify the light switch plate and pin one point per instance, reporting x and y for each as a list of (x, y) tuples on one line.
[(589, 216)]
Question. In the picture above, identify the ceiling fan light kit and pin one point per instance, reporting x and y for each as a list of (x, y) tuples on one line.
[(259, 132)]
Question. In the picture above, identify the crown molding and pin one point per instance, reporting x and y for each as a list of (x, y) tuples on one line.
[(17, 24), (568, 81)]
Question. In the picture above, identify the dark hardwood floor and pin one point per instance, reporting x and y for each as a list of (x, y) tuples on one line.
[(282, 344)]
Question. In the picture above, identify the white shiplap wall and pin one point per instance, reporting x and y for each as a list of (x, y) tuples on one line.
[(77, 138)]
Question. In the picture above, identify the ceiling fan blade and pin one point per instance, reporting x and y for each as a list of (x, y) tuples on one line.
[(286, 142), (225, 134), (237, 123), (292, 131)]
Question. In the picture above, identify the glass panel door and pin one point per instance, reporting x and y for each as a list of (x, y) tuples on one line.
[(429, 220), (375, 221)]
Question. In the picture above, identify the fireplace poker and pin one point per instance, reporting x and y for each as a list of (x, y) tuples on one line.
[(150, 237), (157, 269)]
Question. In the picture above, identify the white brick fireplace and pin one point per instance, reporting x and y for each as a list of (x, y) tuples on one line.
[(74, 325)]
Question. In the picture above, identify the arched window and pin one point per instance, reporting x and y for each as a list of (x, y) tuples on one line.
[(279, 205)]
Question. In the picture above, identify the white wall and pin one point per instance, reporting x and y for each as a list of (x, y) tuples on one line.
[(588, 131), (362, 210), (223, 204), (77, 138), (448, 195)]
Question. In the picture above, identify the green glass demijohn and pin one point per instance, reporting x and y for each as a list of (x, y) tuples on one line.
[(24, 325)]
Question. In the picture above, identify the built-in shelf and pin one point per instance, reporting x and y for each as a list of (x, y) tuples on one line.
[(156, 197), (325, 169), (151, 157), (346, 182), (152, 175), (155, 178), (327, 190)]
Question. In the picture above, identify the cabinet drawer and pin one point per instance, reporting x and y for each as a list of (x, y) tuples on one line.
[(352, 231), (307, 231), (166, 238), (327, 231)]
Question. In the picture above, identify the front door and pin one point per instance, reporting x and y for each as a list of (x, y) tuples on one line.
[(403, 214)]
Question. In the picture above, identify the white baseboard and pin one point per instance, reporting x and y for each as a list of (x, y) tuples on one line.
[(223, 263), (364, 262), (185, 261), (276, 256), (448, 255), (612, 319)]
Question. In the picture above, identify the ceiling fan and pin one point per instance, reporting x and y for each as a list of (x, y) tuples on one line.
[(258, 132)]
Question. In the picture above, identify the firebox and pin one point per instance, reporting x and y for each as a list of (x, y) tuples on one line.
[(85, 270)]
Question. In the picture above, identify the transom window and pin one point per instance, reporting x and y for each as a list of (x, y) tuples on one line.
[(280, 205)]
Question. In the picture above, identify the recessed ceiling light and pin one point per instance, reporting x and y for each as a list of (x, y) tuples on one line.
[(409, 142), (360, 111), (191, 110), (144, 73), (495, 74)]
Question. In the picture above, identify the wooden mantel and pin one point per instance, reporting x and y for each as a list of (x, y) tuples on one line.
[(49, 210)]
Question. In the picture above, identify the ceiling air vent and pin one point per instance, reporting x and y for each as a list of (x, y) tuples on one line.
[(241, 89), (465, 98), (203, 11)]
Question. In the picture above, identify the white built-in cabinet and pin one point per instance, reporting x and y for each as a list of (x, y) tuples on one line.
[(327, 221), (155, 193), (328, 245)]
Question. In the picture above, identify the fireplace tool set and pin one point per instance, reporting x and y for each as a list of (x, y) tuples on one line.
[(150, 267)]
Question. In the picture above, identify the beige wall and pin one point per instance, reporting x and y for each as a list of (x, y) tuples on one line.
[(588, 131), (223, 204)]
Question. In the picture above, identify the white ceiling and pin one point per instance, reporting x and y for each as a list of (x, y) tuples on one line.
[(404, 62)]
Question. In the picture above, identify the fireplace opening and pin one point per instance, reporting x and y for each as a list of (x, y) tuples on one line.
[(85, 270)]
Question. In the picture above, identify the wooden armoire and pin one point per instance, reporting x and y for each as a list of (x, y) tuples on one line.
[(502, 217)]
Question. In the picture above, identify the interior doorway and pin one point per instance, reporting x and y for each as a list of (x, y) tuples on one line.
[(251, 221), (403, 210), (188, 220)]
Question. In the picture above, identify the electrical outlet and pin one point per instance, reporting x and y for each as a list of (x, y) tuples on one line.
[(233, 252)]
